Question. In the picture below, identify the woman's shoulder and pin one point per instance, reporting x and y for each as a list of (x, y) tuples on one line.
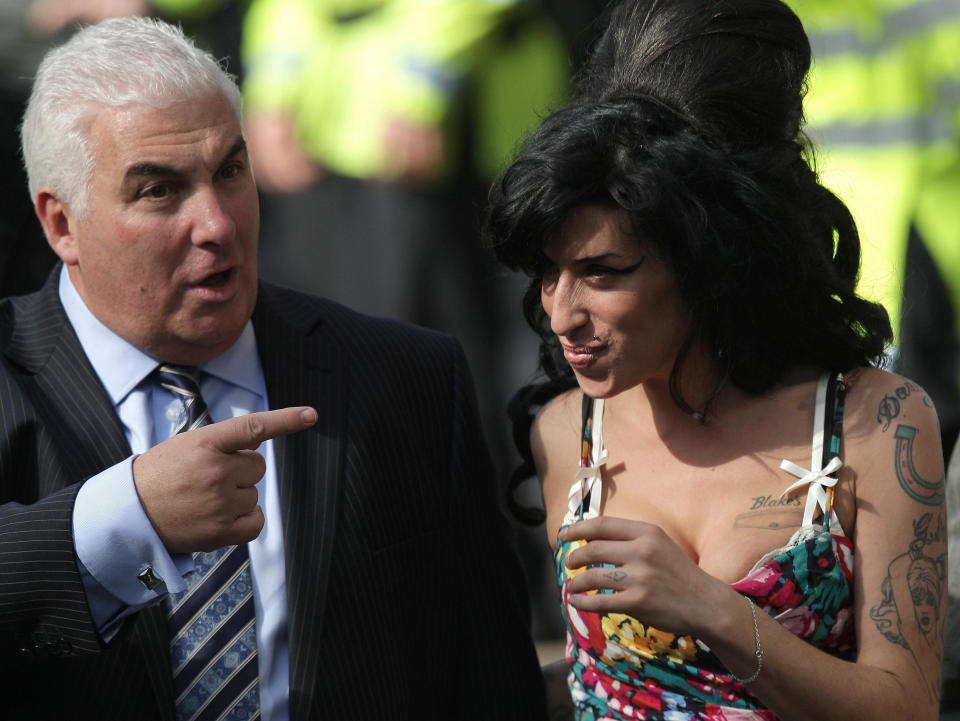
[(555, 433), (555, 443), (558, 420), (891, 430), (883, 399), (561, 408)]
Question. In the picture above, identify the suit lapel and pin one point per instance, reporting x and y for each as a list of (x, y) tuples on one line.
[(89, 435), (70, 396), (302, 367)]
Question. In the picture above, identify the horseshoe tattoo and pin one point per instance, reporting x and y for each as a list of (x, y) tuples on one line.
[(919, 489)]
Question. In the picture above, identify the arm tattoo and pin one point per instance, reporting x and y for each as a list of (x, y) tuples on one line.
[(889, 407), (918, 488), (909, 613)]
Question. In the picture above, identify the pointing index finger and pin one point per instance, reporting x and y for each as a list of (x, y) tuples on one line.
[(249, 431)]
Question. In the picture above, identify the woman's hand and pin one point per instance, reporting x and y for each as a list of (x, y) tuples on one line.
[(652, 579)]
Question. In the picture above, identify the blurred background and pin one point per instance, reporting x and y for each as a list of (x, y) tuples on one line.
[(375, 127)]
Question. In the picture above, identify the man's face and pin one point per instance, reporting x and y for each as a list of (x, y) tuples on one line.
[(166, 257)]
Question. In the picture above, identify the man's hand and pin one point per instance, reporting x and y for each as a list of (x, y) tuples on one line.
[(413, 153), (197, 488), (280, 165)]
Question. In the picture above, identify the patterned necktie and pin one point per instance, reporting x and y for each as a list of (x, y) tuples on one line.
[(213, 646)]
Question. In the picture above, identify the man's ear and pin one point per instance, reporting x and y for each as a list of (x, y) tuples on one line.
[(58, 224)]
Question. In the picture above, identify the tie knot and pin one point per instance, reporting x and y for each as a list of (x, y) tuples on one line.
[(183, 382), (179, 379)]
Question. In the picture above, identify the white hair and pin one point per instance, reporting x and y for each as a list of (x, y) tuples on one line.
[(118, 63)]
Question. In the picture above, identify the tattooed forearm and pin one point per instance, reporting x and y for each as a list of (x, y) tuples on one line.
[(910, 613), (929, 492), (889, 407), (771, 512)]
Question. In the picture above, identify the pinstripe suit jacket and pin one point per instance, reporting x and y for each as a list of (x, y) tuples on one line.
[(405, 598)]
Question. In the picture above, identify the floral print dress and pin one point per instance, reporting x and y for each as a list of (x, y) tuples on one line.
[(622, 669)]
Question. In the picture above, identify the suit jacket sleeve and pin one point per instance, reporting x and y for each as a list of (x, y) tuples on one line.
[(52, 662), (57, 428), (500, 677), (43, 608)]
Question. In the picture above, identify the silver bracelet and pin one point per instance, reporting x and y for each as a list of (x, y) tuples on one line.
[(758, 653)]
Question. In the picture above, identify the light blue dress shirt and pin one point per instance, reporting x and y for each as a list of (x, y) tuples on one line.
[(113, 537)]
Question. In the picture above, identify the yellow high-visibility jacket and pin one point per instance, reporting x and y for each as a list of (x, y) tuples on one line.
[(344, 68), (883, 110)]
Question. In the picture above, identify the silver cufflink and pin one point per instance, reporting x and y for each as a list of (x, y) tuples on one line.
[(148, 577)]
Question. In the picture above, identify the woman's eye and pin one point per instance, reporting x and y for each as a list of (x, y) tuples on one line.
[(601, 270), (606, 271)]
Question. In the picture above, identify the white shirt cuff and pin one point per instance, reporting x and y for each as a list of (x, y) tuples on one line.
[(118, 545)]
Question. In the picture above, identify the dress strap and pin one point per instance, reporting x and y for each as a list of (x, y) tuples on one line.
[(833, 451), (585, 493), (824, 456)]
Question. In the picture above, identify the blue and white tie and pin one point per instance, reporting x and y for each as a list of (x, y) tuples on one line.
[(213, 645)]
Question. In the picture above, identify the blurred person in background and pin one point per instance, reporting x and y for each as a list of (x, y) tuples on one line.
[(373, 125), (25, 257), (215, 23), (883, 110)]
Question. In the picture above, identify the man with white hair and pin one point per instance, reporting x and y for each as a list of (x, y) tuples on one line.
[(331, 548)]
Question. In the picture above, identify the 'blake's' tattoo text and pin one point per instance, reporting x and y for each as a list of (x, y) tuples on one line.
[(771, 512)]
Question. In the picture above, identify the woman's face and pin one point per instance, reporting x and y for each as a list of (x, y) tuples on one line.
[(613, 304)]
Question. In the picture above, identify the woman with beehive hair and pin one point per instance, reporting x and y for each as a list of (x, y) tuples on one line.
[(735, 491)]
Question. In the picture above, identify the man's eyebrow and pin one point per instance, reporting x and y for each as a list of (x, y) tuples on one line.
[(238, 147), (148, 169)]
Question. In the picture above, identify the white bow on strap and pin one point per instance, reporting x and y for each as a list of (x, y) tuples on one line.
[(818, 481), (584, 481), (588, 472)]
